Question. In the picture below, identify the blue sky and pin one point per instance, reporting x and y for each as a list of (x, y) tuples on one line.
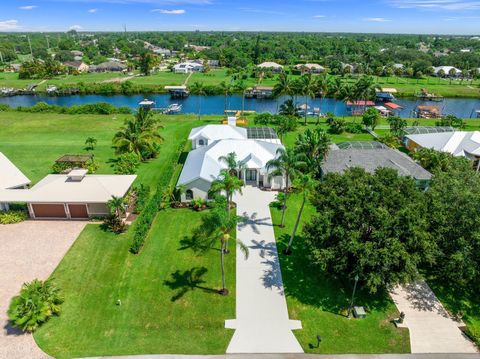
[(381, 16)]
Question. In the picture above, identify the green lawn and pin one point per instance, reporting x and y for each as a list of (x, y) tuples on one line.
[(167, 293), (320, 303)]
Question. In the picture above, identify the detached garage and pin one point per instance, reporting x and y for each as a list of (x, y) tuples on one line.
[(75, 195)]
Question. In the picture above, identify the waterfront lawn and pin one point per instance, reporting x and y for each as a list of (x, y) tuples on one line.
[(160, 79), (167, 294), (320, 303), (10, 79), (33, 141)]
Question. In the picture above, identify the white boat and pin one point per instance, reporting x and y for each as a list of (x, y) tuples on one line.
[(173, 108)]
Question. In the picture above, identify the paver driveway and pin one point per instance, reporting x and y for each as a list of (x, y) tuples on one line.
[(262, 324), (431, 328), (29, 250)]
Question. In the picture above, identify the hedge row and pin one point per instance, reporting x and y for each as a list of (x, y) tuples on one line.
[(145, 219), (100, 108)]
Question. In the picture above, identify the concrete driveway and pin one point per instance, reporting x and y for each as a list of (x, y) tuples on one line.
[(431, 328), (262, 324), (29, 250)]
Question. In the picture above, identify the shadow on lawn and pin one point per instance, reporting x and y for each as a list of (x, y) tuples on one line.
[(186, 281), (309, 285)]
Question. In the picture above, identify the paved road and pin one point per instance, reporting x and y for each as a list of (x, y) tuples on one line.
[(29, 250), (262, 324), (431, 328)]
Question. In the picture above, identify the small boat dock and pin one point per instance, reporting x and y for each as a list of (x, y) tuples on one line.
[(427, 96), (178, 91)]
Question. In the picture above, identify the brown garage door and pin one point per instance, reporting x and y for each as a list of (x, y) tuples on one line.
[(49, 210), (78, 210)]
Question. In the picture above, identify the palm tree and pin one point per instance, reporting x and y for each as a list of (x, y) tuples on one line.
[(286, 164), (307, 87), (234, 167), (197, 88), (116, 206), (322, 86), (227, 90), (227, 183), (336, 88), (313, 145), (242, 87), (288, 108), (304, 185), (90, 143)]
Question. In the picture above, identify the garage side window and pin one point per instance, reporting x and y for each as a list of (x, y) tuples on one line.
[(189, 194), (201, 142)]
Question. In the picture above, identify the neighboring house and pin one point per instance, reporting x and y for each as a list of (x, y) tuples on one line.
[(75, 195), (310, 68), (272, 66), (253, 146), (446, 70), (370, 156), (13, 68), (213, 63), (79, 66), (398, 66), (162, 52), (10, 178), (77, 55), (109, 66), (187, 67), (458, 143)]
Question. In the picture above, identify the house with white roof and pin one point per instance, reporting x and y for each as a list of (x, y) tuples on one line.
[(11, 178), (310, 68), (75, 195), (270, 65), (458, 143), (254, 147), (446, 70), (187, 67)]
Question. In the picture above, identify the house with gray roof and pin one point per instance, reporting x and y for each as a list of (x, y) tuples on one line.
[(370, 156)]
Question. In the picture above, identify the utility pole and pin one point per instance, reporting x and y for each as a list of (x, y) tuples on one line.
[(30, 45)]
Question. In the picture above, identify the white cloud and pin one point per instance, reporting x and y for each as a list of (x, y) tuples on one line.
[(376, 19), (9, 25), (28, 7), (76, 27), (170, 12), (92, 11), (261, 11), (436, 4), (319, 16)]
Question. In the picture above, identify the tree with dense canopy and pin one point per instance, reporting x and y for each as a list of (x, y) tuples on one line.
[(313, 145), (227, 183), (370, 225)]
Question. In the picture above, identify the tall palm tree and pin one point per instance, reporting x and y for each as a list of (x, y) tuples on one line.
[(234, 167), (227, 183), (322, 86), (286, 164), (304, 185), (288, 108), (197, 88), (227, 91), (283, 87), (116, 206), (242, 87), (308, 89), (336, 87), (313, 145)]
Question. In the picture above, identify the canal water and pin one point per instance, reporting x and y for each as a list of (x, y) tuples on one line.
[(215, 105)]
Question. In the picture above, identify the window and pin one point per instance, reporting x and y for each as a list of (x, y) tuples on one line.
[(201, 142), (189, 195)]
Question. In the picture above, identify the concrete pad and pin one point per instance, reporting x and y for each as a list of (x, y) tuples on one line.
[(431, 328), (29, 250), (262, 324)]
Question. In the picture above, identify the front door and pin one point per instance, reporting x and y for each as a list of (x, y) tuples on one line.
[(251, 176)]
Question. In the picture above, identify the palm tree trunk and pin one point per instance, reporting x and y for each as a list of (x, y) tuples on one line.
[(222, 263), (243, 102), (306, 109), (284, 203), (289, 247)]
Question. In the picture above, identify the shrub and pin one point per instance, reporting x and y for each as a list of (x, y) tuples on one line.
[(199, 204), (336, 125), (144, 222), (10, 217), (4, 108), (126, 164), (114, 224), (263, 119), (279, 200), (142, 193), (35, 304), (352, 127)]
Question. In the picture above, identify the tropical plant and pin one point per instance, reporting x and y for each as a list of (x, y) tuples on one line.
[(90, 143), (126, 164), (313, 145), (234, 167), (389, 140), (11, 217), (227, 90), (286, 164), (322, 87), (304, 185), (309, 89), (241, 86), (116, 205), (227, 183), (451, 121), (397, 125), (36, 303), (371, 118), (288, 108)]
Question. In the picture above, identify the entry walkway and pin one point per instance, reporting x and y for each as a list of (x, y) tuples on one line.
[(431, 328), (262, 324)]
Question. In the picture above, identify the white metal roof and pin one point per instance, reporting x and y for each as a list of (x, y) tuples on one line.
[(270, 64), (218, 132), (62, 189), (446, 69), (10, 175), (204, 163), (458, 143)]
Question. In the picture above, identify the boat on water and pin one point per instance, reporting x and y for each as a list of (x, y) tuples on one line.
[(173, 109), (426, 96), (146, 103), (385, 94)]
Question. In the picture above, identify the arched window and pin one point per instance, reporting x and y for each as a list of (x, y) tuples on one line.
[(201, 142), (189, 194)]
